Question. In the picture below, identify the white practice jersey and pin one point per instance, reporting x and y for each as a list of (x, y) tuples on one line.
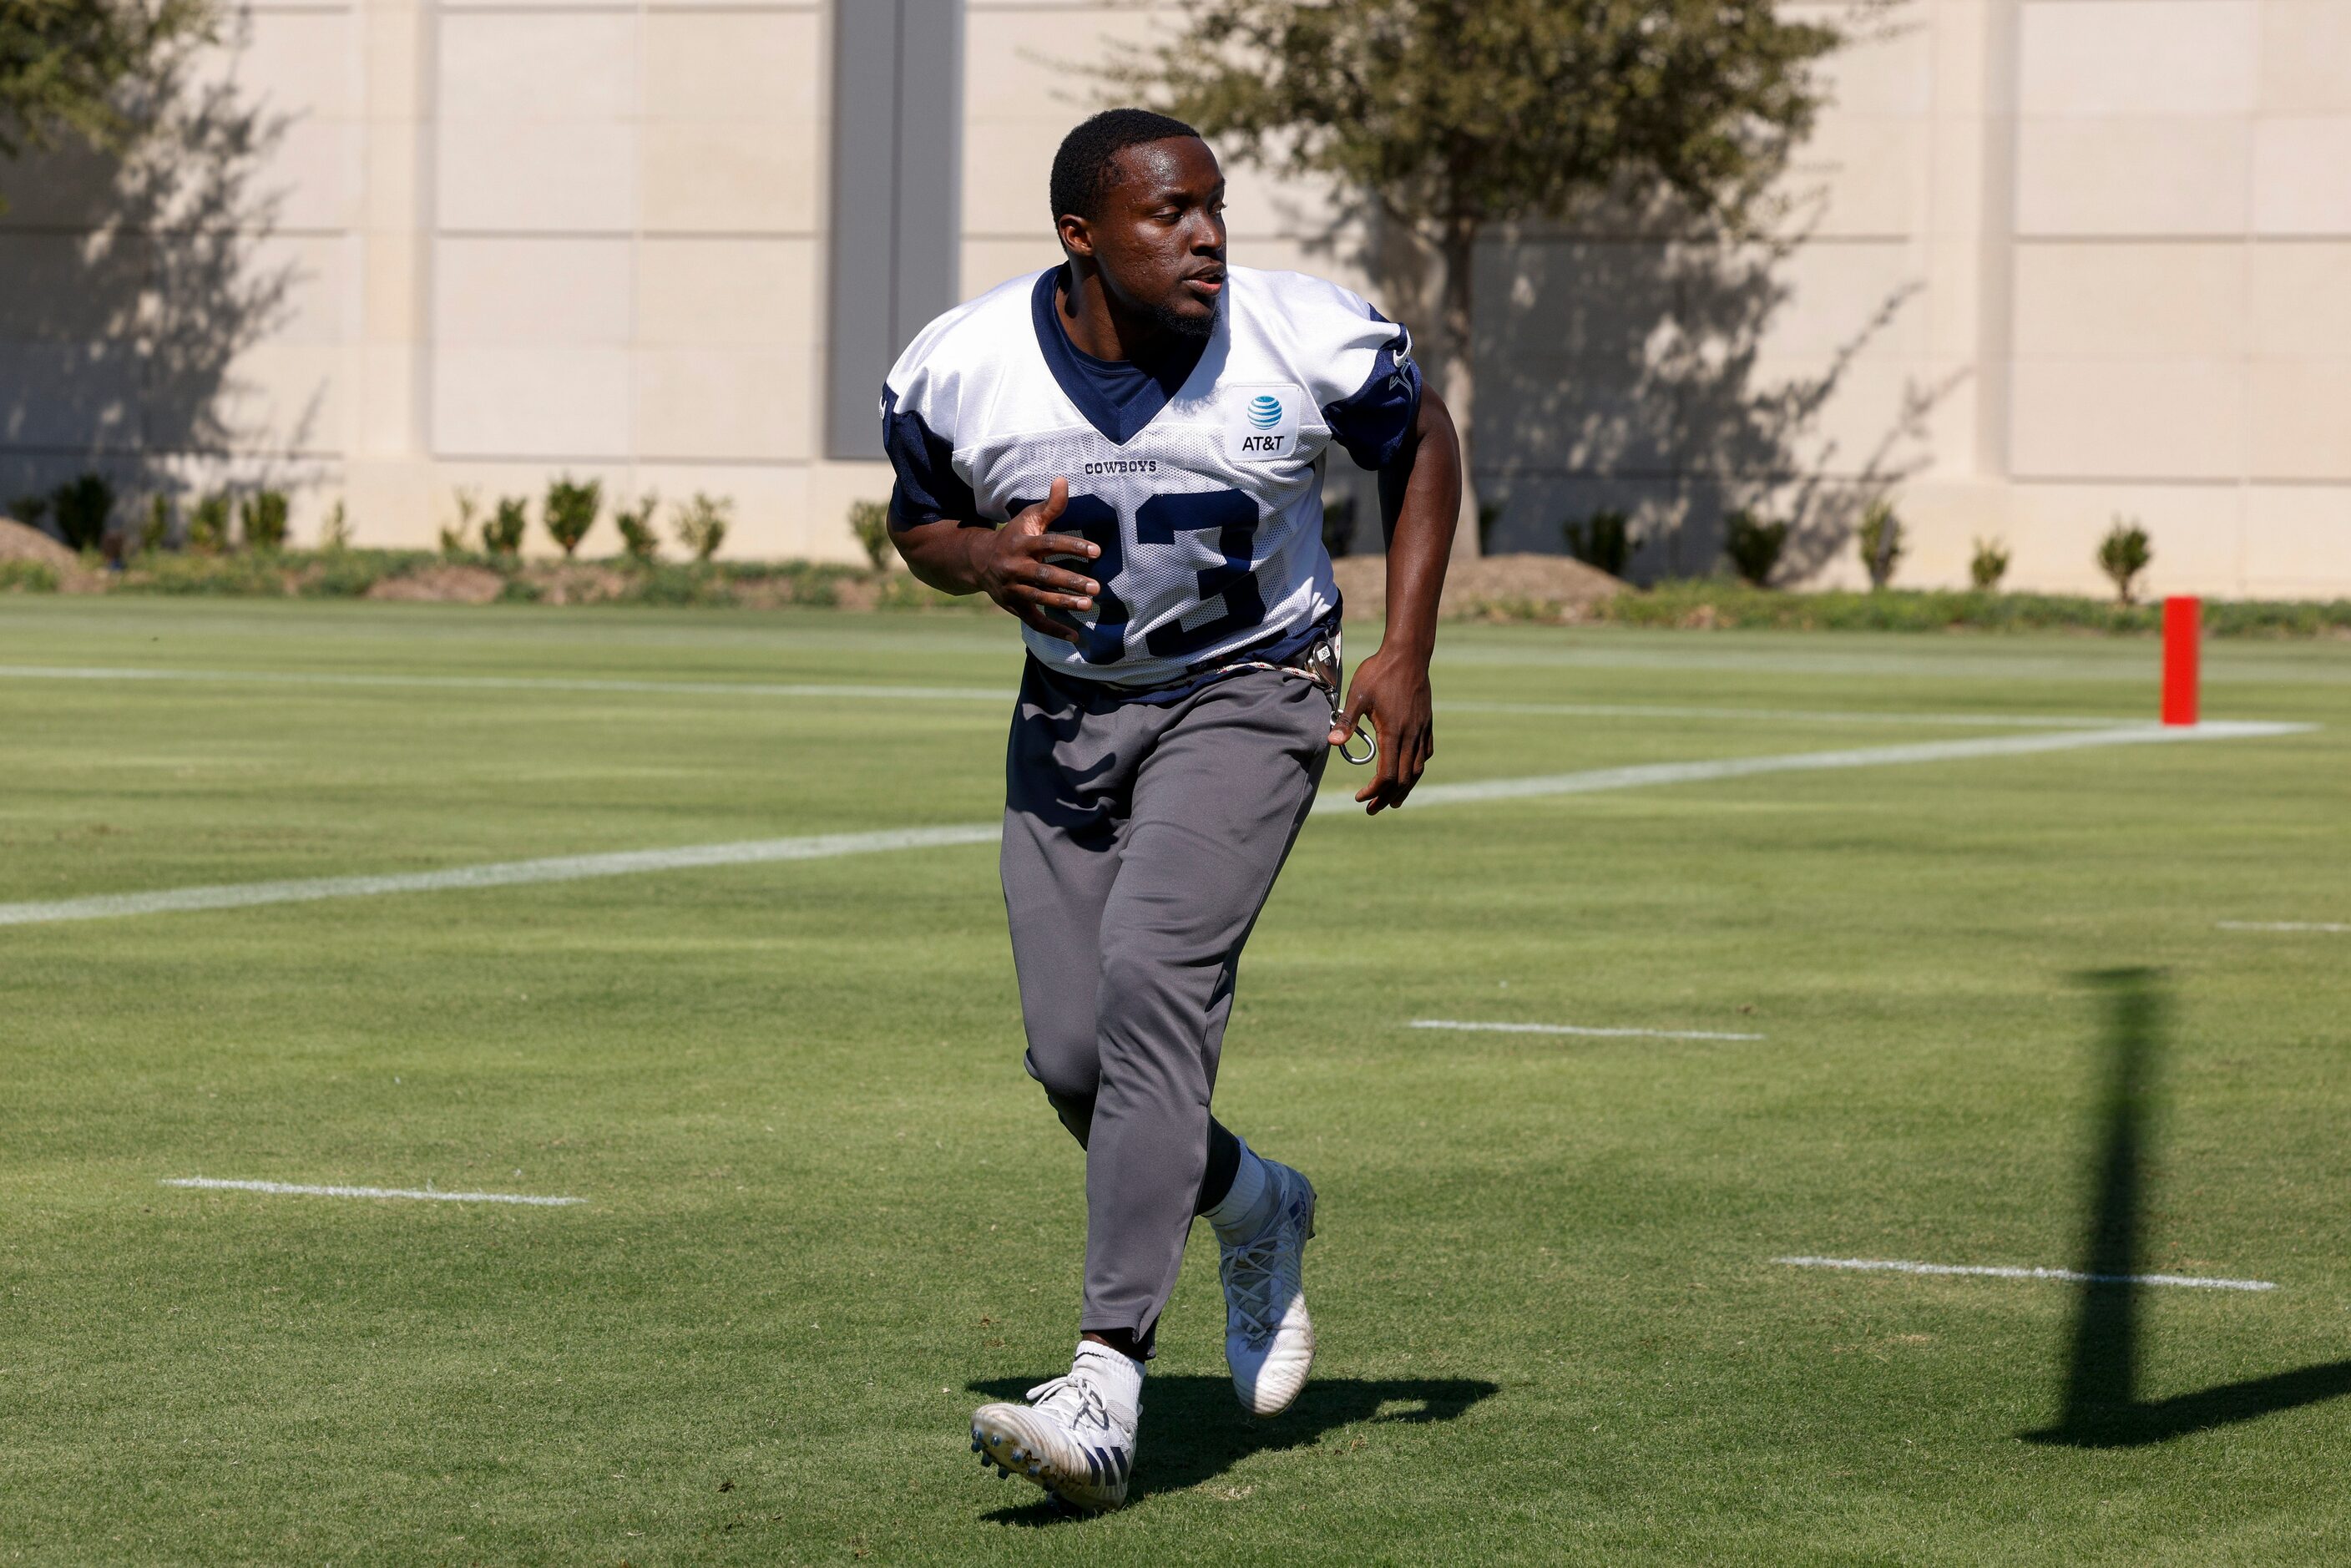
[(1204, 495)]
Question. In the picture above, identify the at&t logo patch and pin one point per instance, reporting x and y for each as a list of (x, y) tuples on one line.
[(1263, 423)]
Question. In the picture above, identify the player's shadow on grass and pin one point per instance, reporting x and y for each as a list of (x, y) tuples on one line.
[(2102, 1407), (1193, 1431)]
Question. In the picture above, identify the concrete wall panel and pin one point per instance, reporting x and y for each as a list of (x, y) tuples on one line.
[(2140, 57), (2122, 176), (2131, 301), (2120, 419), (2301, 176)]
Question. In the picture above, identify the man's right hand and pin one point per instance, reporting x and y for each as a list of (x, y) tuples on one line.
[(1009, 564)]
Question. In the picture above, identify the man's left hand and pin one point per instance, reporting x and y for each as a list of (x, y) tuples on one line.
[(1393, 688)]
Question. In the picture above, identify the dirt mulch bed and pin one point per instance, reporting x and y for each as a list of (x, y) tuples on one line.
[(1555, 587), (442, 585), (21, 541)]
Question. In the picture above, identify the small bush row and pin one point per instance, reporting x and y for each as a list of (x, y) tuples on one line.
[(1752, 547), (568, 512), (83, 513)]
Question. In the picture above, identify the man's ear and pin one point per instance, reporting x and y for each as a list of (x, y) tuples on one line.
[(1076, 239)]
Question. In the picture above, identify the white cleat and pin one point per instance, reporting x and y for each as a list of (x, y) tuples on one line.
[(1268, 1338), (1065, 1439)]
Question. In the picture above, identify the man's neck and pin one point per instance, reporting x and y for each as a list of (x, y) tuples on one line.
[(1094, 321)]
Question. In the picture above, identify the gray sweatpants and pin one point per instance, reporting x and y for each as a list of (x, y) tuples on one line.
[(1140, 841)]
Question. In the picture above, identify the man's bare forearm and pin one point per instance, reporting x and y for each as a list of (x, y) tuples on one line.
[(940, 554), (1420, 504)]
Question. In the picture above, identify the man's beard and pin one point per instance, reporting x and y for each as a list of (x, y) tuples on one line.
[(1184, 325)]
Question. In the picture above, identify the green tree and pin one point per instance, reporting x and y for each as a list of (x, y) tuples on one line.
[(1451, 117), (73, 69)]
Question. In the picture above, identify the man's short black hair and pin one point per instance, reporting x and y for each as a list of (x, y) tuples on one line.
[(1083, 169)]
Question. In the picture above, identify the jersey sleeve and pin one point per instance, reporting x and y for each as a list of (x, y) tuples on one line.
[(1373, 421), (927, 487), (924, 399), (1358, 364)]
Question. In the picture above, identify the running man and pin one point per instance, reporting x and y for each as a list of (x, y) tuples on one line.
[(1125, 452)]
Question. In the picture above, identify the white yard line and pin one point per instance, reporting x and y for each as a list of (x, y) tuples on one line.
[(824, 846), (1889, 1265), (2336, 927), (371, 1192), (1577, 1029), (504, 874), (1603, 779), (1791, 715)]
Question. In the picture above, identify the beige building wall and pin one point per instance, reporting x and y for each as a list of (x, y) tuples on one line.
[(2044, 262)]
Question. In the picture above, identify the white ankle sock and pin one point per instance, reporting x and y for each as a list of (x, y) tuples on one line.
[(1118, 1378), (1249, 1204)]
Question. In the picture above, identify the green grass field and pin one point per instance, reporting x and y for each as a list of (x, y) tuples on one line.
[(826, 1213)]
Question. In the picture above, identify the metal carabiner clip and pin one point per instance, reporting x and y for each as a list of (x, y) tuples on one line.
[(1365, 733)]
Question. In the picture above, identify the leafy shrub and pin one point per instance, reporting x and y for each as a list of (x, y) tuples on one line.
[(1339, 526), (2123, 554), (334, 529), (28, 510), (1987, 565), (347, 573), (701, 524), (1603, 540), (870, 521), (571, 511), (27, 577), (82, 507), (1753, 546), (1882, 542), (640, 540), (155, 530), (502, 532), (454, 537), (208, 524), (263, 516)]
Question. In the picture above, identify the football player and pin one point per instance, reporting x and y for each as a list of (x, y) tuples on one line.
[(1126, 452)]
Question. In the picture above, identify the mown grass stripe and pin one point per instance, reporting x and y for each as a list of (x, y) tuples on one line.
[(824, 846), (994, 694)]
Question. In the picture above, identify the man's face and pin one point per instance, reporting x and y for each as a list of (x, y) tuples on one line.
[(1159, 239)]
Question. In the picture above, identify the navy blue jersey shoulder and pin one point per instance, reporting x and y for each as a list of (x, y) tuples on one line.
[(1373, 422), (929, 488)]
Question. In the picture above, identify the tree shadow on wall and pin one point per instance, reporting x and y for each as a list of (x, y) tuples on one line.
[(1639, 373), (137, 283), (2101, 1407), (1626, 364)]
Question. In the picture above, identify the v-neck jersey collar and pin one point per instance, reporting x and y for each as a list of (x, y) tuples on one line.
[(1068, 362)]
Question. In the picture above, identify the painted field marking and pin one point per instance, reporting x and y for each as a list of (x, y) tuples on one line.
[(985, 693), (1791, 715), (427, 1193), (2194, 1281), (824, 846), (2328, 926), (1577, 1029), (1603, 779), (504, 874)]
